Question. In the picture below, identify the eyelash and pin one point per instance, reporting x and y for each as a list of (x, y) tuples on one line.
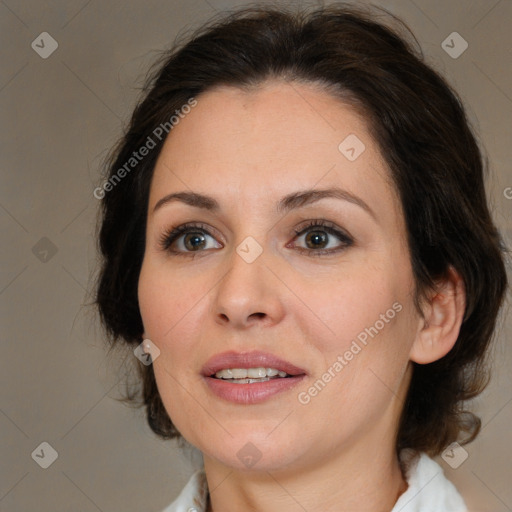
[(171, 235)]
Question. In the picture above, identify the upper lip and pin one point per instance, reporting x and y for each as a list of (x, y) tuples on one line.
[(254, 359)]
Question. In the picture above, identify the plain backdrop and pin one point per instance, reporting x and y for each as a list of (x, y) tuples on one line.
[(60, 115)]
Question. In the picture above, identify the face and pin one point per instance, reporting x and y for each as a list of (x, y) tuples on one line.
[(269, 272)]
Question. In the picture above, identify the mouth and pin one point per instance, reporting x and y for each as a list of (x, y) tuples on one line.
[(249, 365), (250, 377)]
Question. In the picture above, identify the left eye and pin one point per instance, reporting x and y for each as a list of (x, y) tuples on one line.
[(321, 238)]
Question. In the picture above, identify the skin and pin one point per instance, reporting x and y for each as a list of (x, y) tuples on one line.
[(248, 150)]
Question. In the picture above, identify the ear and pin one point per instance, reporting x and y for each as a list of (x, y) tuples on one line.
[(442, 317)]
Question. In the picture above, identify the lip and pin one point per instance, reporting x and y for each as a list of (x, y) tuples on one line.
[(250, 393), (254, 359)]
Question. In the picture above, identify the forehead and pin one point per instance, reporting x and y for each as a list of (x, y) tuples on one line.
[(262, 144)]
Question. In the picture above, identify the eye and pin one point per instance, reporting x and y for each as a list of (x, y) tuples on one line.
[(187, 238), (320, 236)]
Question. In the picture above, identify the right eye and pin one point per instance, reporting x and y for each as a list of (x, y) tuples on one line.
[(187, 238)]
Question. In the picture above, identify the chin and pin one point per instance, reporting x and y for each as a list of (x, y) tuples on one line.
[(254, 450)]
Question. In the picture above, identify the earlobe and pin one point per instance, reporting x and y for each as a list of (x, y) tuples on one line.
[(443, 316)]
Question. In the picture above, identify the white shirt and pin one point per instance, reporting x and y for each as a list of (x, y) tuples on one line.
[(429, 490)]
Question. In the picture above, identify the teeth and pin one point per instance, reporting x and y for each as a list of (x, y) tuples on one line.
[(249, 373), (249, 381), (255, 373)]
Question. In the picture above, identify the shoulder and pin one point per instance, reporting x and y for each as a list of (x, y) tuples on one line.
[(193, 496), (429, 490)]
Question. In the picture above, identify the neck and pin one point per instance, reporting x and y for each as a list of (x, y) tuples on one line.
[(358, 479)]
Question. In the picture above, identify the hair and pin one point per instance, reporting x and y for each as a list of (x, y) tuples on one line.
[(422, 131)]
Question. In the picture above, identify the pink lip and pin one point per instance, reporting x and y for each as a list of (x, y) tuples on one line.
[(255, 392), (254, 359)]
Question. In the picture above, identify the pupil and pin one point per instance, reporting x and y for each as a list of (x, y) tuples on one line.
[(193, 241), (316, 237)]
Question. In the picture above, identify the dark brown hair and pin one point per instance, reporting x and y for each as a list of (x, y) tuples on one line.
[(421, 128)]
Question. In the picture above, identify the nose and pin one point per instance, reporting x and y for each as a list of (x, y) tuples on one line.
[(248, 294)]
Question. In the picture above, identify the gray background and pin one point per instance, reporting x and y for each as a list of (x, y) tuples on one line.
[(60, 116)]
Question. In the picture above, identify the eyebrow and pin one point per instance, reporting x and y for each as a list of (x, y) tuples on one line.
[(289, 202)]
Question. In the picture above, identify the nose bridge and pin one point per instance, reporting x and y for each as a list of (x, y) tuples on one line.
[(246, 289)]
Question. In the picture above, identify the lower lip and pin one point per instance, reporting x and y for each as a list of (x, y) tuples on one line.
[(254, 393)]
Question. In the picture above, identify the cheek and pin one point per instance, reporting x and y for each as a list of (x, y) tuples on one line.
[(362, 368), (168, 302), (170, 306), (362, 336), (341, 307)]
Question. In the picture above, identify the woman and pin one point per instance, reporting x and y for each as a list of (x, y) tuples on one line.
[(295, 234)]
